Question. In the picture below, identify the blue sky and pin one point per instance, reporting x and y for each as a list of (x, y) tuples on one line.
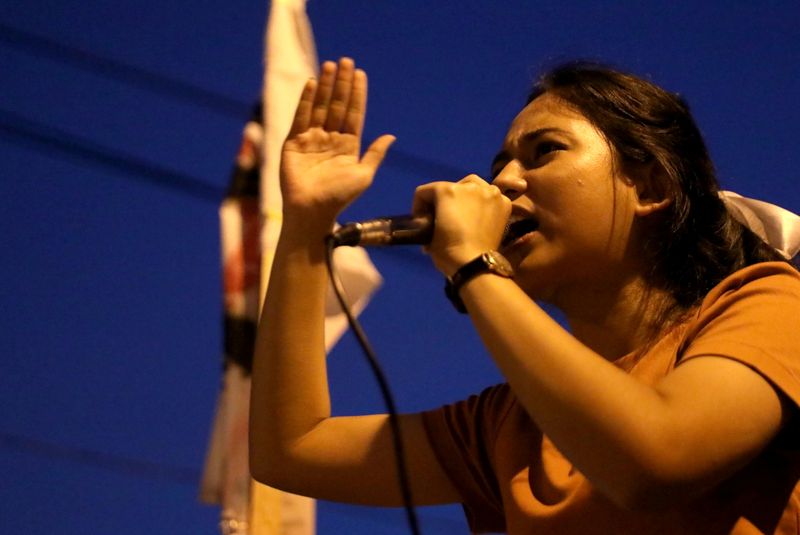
[(118, 125)]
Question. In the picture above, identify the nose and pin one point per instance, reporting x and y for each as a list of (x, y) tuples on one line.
[(509, 181)]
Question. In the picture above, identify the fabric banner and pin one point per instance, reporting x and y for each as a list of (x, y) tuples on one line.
[(226, 476), (250, 219), (291, 59)]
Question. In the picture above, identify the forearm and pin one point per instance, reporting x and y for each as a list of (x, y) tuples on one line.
[(294, 443), (289, 382)]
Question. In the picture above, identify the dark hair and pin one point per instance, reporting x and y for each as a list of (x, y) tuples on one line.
[(695, 243)]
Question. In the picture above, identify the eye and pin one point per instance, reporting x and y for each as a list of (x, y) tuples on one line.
[(546, 147)]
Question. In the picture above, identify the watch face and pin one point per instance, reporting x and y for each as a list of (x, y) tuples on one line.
[(499, 264)]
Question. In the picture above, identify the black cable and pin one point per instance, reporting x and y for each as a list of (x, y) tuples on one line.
[(383, 383), (49, 140), (129, 74), (99, 459), (42, 47)]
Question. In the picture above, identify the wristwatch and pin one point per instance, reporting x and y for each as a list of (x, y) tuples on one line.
[(488, 262)]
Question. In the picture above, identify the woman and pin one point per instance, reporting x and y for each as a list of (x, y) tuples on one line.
[(667, 408)]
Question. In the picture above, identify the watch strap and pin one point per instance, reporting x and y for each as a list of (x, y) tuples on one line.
[(488, 262)]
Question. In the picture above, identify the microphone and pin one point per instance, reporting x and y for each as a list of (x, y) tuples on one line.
[(391, 230)]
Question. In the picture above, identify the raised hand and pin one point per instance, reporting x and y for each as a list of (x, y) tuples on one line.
[(322, 169)]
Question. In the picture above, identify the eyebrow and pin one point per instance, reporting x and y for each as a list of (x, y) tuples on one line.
[(528, 137)]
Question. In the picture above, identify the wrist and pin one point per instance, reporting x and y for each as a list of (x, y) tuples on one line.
[(449, 265), (489, 262), (298, 227)]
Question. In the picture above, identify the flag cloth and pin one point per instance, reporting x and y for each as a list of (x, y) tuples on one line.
[(226, 477), (250, 219), (291, 59)]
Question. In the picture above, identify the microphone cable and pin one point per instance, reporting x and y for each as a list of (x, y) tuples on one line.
[(388, 399)]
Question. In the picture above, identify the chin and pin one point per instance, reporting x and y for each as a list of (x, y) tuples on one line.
[(537, 280)]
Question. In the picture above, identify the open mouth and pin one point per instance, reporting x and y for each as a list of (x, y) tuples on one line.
[(517, 229)]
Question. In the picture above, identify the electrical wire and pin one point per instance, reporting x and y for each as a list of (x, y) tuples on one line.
[(129, 74), (99, 459), (132, 75), (48, 139), (383, 383)]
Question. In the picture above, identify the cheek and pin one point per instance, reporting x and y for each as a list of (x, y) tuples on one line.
[(607, 222), (590, 221), (579, 205)]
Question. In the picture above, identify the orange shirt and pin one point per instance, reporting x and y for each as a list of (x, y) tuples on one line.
[(513, 479)]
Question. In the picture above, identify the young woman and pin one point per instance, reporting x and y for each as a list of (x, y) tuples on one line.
[(667, 408)]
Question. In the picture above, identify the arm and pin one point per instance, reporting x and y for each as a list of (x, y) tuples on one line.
[(643, 446), (640, 445), (295, 444)]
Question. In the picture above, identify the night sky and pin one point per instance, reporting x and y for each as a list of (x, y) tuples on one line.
[(118, 126)]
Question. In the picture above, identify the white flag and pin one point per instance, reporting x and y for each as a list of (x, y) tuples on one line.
[(291, 59)]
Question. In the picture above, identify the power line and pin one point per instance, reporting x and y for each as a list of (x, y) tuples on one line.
[(123, 72), (170, 474), (99, 459), (49, 140), (425, 168)]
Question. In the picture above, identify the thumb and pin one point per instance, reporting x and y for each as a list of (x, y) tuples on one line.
[(377, 150)]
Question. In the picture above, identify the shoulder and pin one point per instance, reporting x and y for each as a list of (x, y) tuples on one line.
[(753, 317), (486, 409), (757, 294), (764, 279)]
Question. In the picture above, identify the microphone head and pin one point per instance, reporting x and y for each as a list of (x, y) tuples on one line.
[(349, 234)]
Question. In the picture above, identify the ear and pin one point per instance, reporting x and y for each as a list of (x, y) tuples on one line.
[(651, 192)]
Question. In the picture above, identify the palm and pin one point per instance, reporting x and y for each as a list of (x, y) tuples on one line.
[(321, 168)]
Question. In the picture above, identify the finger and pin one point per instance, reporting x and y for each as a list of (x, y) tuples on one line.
[(376, 152), (341, 95), (425, 197), (472, 178), (357, 107), (324, 89), (302, 115), (490, 191), (487, 191)]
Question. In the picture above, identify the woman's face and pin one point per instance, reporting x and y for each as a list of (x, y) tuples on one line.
[(559, 171)]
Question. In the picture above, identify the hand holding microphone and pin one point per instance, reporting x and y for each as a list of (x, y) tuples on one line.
[(470, 219)]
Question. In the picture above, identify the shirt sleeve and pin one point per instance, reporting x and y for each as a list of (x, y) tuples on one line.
[(463, 435), (754, 319)]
